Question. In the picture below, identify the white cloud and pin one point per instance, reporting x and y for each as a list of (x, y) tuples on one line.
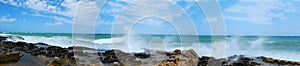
[(258, 11), (7, 18), (115, 8), (104, 22), (167, 11), (140, 8), (58, 20), (34, 14), (152, 22), (65, 7), (88, 10), (54, 24), (89, 17), (62, 20)]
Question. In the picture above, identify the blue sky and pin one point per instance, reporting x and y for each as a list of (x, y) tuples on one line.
[(242, 17)]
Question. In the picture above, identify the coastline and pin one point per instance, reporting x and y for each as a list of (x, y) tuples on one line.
[(14, 53)]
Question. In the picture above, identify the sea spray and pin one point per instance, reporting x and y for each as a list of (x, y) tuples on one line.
[(157, 44), (62, 41)]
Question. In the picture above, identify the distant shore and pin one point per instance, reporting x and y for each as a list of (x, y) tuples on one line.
[(19, 53)]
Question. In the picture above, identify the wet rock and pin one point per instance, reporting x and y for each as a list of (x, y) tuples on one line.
[(177, 51), (269, 60), (142, 55), (10, 57), (203, 61), (170, 53), (59, 62), (2, 38), (80, 48), (180, 58)]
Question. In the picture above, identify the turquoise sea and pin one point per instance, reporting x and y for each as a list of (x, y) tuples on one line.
[(280, 47)]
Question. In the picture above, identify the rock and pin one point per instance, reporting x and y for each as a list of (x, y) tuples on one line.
[(170, 53), (142, 55), (245, 59), (269, 60), (167, 64), (79, 48), (42, 44), (177, 51), (11, 57), (58, 62), (3, 38)]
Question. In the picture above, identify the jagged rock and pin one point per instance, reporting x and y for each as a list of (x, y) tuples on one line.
[(79, 48), (177, 51), (3, 38), (170, 53), (10, 57), (270, 60), (142, 55), (58, 62)]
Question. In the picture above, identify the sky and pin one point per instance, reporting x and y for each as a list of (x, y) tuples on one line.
[(241, 17)]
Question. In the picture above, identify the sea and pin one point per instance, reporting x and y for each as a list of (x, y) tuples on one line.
[(278, 47)]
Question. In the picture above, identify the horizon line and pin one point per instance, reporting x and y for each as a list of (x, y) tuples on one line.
[(147, 34)]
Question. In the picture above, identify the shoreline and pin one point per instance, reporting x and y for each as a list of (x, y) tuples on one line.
[(14, 52)]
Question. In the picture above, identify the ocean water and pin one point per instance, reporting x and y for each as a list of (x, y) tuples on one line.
[(279, 47)]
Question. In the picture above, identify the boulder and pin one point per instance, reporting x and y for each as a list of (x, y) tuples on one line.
[(269, 60)]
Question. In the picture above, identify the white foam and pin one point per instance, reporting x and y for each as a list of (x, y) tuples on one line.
[(5, 34), (62, 41), (108, 40), (13, 38), (257, 48)]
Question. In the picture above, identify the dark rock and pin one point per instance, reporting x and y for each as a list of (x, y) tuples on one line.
[(269, 60), (170, 53), (58, 62), (177, 51), (3, 38), (80, 48), (142, 55), (11, 57)]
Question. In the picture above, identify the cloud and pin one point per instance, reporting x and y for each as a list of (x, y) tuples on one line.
[(7, 18), (64, 7), (66, 10), (88, 12), (258, 11), (104, 22), (34, 14), (167, 11), (114, 8), (54, 24), (58, 20), (152, 22), (140, 8)]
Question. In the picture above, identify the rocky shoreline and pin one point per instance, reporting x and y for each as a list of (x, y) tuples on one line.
[(41, 54)]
